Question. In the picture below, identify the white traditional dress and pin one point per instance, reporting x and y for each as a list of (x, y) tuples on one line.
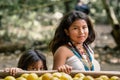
[(77, 63)]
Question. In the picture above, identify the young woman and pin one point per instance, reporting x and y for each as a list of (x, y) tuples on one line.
[(70, 44)]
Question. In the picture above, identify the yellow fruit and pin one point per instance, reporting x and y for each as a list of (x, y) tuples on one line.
[(25, 75), (104, 77), (55, 78), (9, 78), (98, 78), (88, 78), (21, 78), (32, 76), (65, 77), (80, 75), (76, 78), (39, 78), (46, 76), (114, 78), (57, 74)]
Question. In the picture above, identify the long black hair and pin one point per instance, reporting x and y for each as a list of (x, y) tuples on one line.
[(60, 37)]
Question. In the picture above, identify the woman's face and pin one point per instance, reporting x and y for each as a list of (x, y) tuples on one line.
[(36, 66), (78, 31)]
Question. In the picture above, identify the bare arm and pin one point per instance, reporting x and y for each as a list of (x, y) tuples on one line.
[(60, 58)]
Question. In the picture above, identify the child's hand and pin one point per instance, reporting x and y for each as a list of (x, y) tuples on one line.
[(65, 68), (13, 70)]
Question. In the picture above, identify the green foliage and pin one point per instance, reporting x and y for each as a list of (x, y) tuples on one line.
[(27, 19), (98, 12)]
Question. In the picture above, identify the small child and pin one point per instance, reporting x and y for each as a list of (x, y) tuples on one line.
[(30, 60)]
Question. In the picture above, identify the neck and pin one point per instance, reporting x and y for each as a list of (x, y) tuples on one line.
[(77, 44)]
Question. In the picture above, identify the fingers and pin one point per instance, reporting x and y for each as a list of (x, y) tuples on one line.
[(68, 69), (12, 71), (65, 68), (6, 70)]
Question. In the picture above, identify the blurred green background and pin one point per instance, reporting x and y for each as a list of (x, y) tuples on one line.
[(28, 24)]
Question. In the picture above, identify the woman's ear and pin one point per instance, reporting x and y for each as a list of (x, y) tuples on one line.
[(66, 31)]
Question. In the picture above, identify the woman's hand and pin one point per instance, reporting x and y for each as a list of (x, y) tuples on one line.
[(13, 71), (65, 68)]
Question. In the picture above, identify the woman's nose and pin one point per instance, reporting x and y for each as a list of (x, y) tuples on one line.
[(81, 31)]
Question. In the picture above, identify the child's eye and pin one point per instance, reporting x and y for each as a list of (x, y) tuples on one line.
[(33, 68), (42, 68), (75, 28)]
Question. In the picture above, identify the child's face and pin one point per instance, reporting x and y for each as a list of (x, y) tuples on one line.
[(78, 31), (36, 66)]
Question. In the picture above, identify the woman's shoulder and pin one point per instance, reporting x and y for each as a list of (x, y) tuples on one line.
[(63, 47), (63, 50)]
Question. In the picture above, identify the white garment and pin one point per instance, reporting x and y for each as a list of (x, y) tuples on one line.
[(76, 64)]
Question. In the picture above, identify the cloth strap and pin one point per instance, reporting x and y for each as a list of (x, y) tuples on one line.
[(80, 57)]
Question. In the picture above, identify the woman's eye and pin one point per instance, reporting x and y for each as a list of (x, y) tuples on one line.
[(85, 27)]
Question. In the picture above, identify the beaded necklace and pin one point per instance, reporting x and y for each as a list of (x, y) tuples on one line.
[(86, 59)]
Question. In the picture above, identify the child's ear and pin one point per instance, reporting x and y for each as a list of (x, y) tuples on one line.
[(66, 31)]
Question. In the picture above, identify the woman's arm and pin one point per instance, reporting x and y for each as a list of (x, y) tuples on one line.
[(60, 58)]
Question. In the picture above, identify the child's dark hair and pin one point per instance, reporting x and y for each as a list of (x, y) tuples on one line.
[(30, 57), (60, 37)]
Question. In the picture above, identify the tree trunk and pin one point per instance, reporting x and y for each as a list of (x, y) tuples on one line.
[(113, 21), (0, 21), (67, 6)]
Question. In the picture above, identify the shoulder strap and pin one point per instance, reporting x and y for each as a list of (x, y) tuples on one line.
[(75, 53)]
